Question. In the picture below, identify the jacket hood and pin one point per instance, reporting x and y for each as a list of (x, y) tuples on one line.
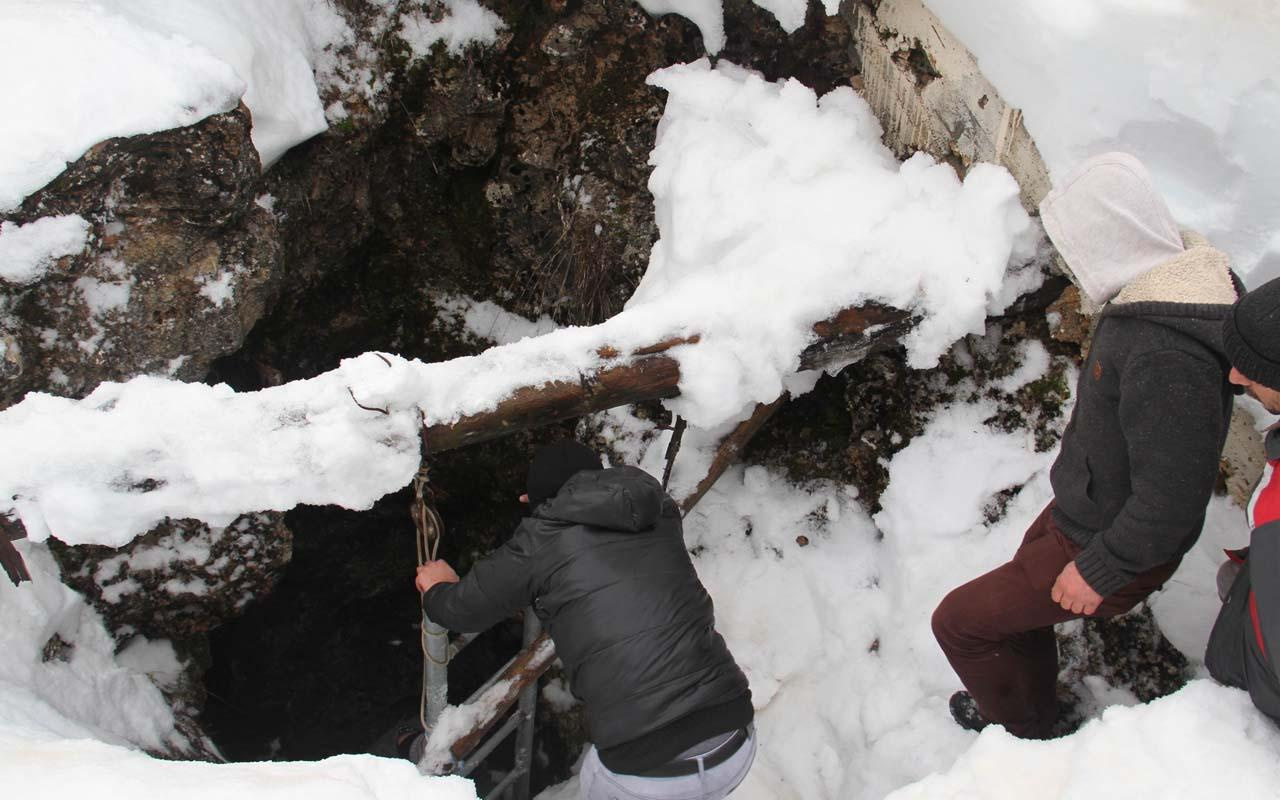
[(1191, 292), (619, 499), (1109, 224)]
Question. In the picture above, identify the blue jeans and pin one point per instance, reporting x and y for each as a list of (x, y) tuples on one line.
[(596, 782)]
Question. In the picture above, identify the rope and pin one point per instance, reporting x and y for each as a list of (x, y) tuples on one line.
[(430, 530), (426, 519)]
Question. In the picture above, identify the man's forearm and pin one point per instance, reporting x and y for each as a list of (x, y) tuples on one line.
[(461, 607)]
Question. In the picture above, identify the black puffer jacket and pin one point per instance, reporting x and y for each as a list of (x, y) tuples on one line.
[(604, 564)]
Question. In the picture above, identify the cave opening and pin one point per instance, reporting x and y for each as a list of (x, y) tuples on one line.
[(330, 661)]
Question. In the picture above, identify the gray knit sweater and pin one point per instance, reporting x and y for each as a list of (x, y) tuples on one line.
[(1139, 456)]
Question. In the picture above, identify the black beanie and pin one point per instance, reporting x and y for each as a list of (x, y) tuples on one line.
[(1251, 335), (555, 463)]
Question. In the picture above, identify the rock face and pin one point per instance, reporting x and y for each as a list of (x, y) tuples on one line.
[(514, 173), (851, 425), (181, 262), (181, 578)]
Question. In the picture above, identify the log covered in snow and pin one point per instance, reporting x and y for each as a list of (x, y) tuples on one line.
[(649, 373)]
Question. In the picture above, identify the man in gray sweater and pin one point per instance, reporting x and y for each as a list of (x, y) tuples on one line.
[(1139, 457)]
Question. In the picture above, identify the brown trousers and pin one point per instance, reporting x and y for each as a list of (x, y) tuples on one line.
[(997, 630)]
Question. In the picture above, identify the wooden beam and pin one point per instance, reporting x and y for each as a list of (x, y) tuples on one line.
[(846, 338), (648, 373), (731, 448), (855, 333), (645, 378), (525, 669)]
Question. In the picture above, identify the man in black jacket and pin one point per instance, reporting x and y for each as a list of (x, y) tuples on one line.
[(1243, 647), (1139, 457), (602, 560)]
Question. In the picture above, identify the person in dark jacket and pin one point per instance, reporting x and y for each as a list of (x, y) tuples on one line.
[(602, 560), (1139, 456), (1245, 641)]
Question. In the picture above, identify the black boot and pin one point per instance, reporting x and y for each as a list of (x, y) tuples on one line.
[(964, 710)]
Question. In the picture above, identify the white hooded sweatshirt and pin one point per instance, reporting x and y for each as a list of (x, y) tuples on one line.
[(1112, 227)]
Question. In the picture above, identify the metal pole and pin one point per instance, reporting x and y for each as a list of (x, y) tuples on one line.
[(504, 786), (458, 644), (436, 667), (527, 708), (469, 764)]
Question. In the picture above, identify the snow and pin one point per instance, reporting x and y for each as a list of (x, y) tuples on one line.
[(155, 659), (70, 768), (487, 320), (455, 721), (753, 183), (1186, 739), (92, 695), (795, 197), (28, 251), (103, 74), (104, 300), (708, 15), (1186, 609), (556, 694), (834, 634), (249, 450), (1188, 86), (72, 723), (465, 23), (220, 288)]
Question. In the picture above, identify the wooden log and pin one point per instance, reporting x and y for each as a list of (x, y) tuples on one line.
[(731, 448), (645, 378), (846, 338), (855, 333), (525, 669), (649, 374)]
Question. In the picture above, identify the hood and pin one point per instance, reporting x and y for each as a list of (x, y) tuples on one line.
[(618, 499), (1191, 292), (1109, 224), (1199, 274)]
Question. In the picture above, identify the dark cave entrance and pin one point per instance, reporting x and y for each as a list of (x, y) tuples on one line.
[(330, 661)]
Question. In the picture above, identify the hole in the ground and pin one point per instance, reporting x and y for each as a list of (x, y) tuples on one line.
[(330, 661)]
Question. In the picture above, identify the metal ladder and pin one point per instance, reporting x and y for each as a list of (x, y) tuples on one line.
[(515, 684)]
